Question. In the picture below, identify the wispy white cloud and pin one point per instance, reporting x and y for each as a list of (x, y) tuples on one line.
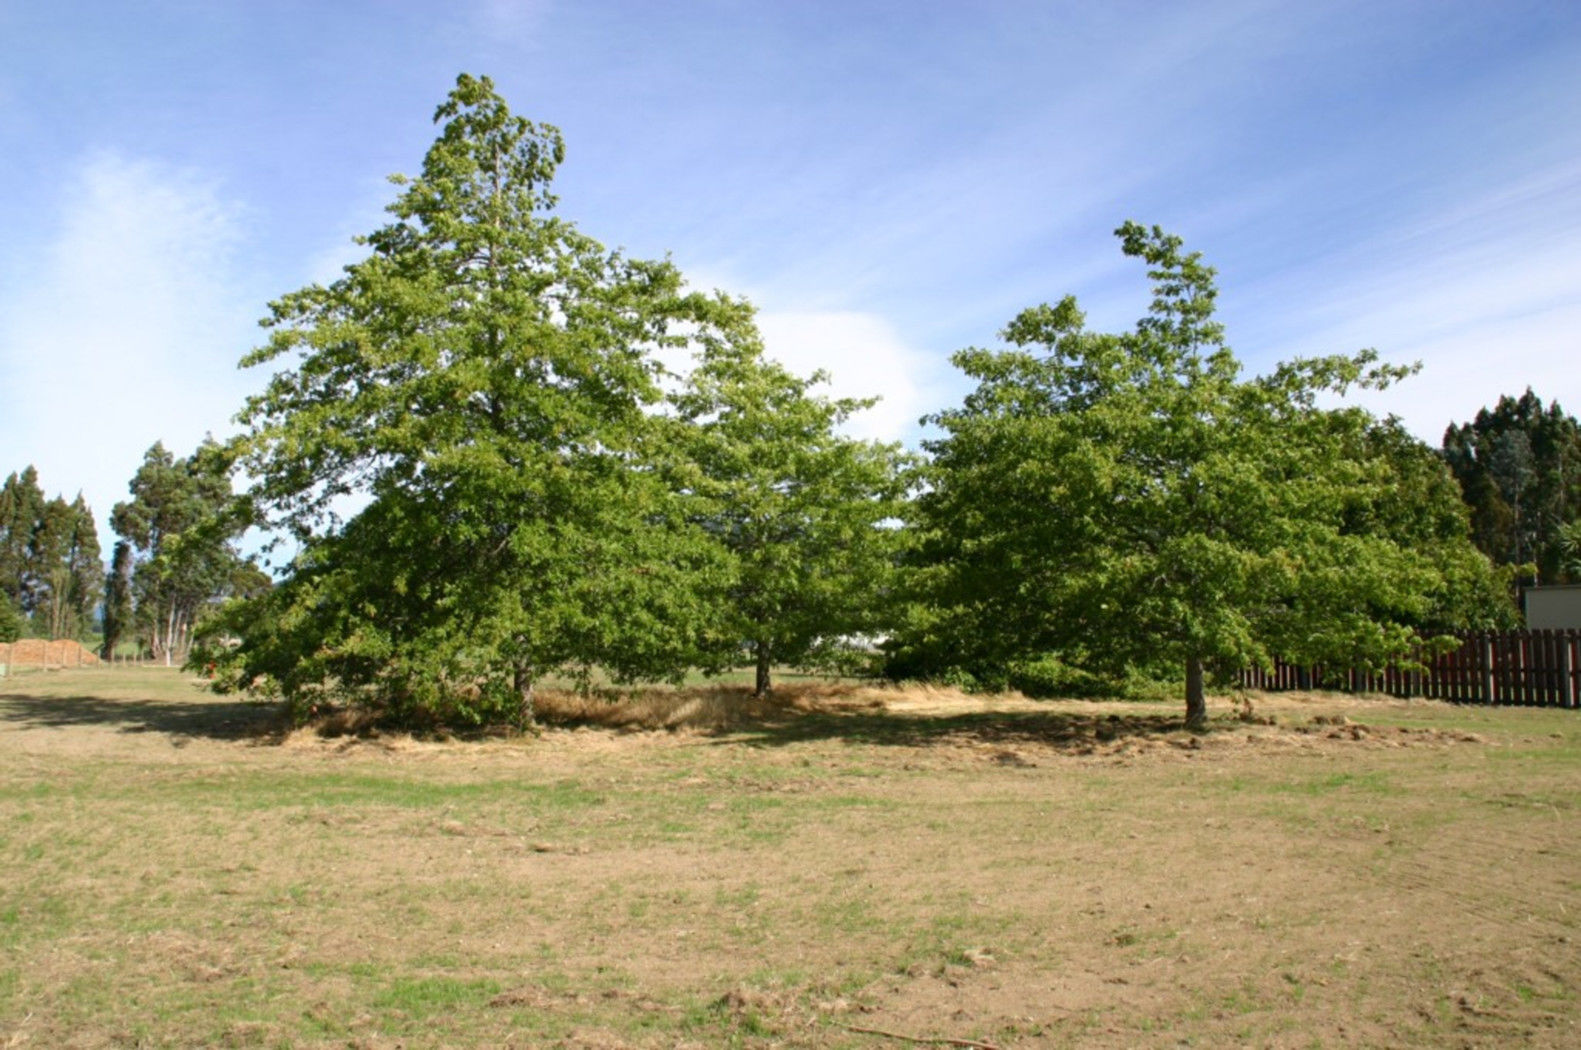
[(861, 352), (887, 188), (1469, 368), (510, 18), (338, 249), (1485, 293), (126, 331), (864, 357)]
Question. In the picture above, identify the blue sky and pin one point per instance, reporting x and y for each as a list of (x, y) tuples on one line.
[(889, 182)]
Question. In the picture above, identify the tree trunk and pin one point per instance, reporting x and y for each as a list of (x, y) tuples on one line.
[(764, 655), (1196, 701), (522, 680)]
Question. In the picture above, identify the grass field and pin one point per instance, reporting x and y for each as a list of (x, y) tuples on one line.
[(844, 867)]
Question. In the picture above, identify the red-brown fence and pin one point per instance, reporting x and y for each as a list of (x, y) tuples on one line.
[(1532, 668), (36, 652)]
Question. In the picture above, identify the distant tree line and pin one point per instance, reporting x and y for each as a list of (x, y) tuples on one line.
[(50, 572), (174, 560), (1519, 467)]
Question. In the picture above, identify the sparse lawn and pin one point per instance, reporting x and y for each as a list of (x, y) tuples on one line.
[(921, 863)]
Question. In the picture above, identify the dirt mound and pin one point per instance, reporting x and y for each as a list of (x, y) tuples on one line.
[(36, 652)]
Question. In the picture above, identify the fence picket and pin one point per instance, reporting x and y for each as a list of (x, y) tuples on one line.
[(1569, 667)]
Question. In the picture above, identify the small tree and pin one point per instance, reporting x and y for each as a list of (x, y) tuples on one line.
[(802, 510), (118, 609), (65, 572), (1130, 500), (1570, 549)]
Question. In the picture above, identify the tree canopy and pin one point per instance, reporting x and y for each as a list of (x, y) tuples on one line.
[(486, 383), (487, 475), (176, 558), (801, 508), (50, 573), (11, 623), (1130, 499), (1519, 466)]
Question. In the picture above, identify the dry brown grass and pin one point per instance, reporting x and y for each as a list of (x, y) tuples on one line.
[(801, 872), (712, 707)]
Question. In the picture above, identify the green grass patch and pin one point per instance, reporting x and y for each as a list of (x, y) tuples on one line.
[(422, 997)]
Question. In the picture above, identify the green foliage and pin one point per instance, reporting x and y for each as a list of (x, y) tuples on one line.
[(21, 507), (118, 609), (1570, 549), (67, 573), (49, 558), (484, 382), (1129, 500), (11, 622), (802, 510), (1519, 467), (176, 558)]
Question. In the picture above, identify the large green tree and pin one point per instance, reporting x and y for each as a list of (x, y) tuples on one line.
[(482, 387), (1519, 466), (803, 510), (1130, 499)]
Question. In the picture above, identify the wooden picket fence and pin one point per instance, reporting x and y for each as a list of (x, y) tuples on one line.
[(1529, 668)]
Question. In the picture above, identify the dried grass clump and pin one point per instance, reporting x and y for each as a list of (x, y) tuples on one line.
[(704, 708), (347, 721), (701, 708)]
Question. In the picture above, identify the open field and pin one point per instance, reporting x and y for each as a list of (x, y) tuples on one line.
[(924, 864)]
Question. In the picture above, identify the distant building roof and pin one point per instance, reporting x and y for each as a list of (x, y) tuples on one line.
[(1552, 607)]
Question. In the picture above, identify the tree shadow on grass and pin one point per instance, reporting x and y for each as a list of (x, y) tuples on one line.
[(213, 719), (1064, 730), (748, 725)]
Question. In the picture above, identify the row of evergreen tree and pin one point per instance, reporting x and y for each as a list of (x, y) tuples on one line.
[(1519, 468), (174, 560), (51, 577)]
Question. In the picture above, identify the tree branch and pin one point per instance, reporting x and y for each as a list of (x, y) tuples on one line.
[(928, 1040)]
